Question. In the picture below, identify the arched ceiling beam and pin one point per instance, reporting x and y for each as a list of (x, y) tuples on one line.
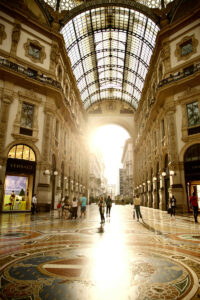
[(110, 79), (108, 50), (120, 3), (103, 90), (111, 66), (91, 33)]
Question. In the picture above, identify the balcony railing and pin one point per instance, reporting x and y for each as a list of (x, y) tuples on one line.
[(29, 73), (179, 75)]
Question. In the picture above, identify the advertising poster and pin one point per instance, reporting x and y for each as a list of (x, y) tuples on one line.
[(15, 192)]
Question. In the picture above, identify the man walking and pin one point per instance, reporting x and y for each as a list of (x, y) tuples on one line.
[(137, 203)]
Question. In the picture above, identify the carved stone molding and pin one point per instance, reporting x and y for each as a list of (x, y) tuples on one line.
[(41, 48), (3, 34), (184, 40), (54, 56), (31, 96), (15, 37)]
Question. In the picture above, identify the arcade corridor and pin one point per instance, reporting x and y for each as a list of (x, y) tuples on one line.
[(43, 257)]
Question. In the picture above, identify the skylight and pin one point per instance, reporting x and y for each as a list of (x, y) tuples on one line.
[(110, 49)]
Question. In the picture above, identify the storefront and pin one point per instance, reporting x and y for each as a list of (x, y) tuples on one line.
[(19, 179), (192, 171)]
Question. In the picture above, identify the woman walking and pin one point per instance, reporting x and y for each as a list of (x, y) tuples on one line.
[(102, 205), (74, 208), (194, 204), (108, 205)]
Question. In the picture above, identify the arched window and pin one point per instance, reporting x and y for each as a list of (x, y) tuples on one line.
[(192, 153), (21, 152)]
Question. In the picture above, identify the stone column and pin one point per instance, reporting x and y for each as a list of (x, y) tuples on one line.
[(155, 193), (162, 205), (176, 186), (149, 194), (43, 187), (6, 100)]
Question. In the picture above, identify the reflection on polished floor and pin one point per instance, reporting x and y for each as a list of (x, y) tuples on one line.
[(43, 257)]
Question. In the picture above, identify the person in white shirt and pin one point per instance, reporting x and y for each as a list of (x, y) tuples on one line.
[(34, 204)]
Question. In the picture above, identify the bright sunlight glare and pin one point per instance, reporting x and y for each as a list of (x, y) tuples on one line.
[(110, 139)]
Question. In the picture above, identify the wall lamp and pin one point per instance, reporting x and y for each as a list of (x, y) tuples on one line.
[(47, 172), (148, 181), (164, 174), (154, 178), (172, 173), (55, 173)]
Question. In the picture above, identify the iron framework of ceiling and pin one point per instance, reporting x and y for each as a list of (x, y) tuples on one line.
[(110, 49)]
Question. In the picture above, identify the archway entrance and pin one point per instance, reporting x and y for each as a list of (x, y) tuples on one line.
[(192, 171), (20, 176)]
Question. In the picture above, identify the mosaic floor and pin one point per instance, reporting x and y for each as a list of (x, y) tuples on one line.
[(44, 257)]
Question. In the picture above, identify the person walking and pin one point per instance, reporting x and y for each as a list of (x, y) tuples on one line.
[(173, 205), (34, 204), (59, 208), (108, 205), (83, 203), (194, 204), (137, 203), (102, 205), (74, 208), (12, 200)]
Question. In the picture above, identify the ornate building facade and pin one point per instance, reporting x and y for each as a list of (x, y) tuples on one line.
[(167, 140), (134, 63), (42, 120)]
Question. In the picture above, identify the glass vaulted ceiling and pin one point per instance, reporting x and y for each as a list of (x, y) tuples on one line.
[(69, 4), (110, 49)]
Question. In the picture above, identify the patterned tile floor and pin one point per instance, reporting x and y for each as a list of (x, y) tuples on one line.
[(43, 257)]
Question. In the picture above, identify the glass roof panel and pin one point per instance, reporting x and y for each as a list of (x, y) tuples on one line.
[(110, 49)]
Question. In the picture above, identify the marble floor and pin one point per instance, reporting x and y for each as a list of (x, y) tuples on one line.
[(44, 257)]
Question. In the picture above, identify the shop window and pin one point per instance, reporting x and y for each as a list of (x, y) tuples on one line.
[(27, 115), (193, 114), (21, 152), (186, 47)]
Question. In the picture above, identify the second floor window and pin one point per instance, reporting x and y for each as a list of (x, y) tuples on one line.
[(34, 51), (193, 114), (27, 115), (186, 48)]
